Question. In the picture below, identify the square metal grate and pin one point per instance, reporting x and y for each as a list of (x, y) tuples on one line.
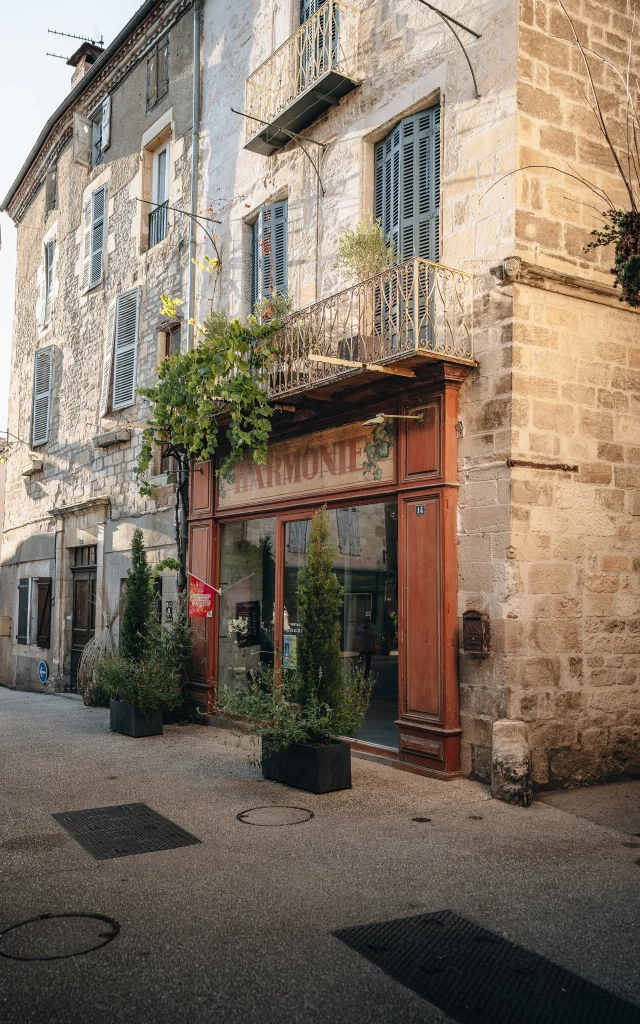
[(478, 977), (107, 832)]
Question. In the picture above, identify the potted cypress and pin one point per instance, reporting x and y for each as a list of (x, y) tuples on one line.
[(301, 712), (139, 681)]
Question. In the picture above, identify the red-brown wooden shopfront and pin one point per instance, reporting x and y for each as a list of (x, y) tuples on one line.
[(422, 479)]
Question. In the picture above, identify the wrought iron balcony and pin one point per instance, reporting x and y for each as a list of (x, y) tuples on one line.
[(412, 312), (309, 73), (158, 223)]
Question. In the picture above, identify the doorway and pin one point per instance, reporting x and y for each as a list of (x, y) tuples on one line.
[(83, 619)]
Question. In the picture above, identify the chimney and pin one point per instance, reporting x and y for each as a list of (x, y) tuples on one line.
[(86, 55)]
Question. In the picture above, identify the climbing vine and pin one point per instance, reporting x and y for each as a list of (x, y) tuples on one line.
[(215, 392), (377, 448)]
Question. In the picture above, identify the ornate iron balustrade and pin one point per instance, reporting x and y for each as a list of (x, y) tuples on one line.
[(415, 309), (322, 52), (158, 223)]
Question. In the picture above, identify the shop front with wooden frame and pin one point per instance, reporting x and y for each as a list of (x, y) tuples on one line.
[(390, 487)]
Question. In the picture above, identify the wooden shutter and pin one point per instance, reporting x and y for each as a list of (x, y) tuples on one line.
[(348, 523), (407, 185), (81, 140), (269, 252), (387, 184), (98, 212), (43, 629), (106, 122), (163, 68), (309, 7), (41, 396), (152, 78), (126, 345), (23, 611), (107, 359), (49, 253)]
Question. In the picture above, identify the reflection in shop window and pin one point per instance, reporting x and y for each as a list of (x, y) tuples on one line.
[(348, 531), (247, 584), (298, 536)]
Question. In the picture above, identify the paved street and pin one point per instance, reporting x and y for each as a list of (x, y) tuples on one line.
[(239, 928)]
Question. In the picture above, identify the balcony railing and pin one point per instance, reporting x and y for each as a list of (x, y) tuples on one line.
[(414, 311), (305, 76), (158, 224)]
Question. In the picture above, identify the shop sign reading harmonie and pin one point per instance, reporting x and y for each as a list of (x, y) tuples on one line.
[(343, 458)]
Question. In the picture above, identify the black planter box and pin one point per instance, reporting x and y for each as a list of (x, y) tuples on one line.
[(126, 718), (320, 769)]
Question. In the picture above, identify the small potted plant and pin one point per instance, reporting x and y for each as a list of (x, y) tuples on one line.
[(139, 693), (301, 712), (143, 680)]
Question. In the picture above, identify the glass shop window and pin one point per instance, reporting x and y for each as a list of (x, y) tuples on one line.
[(247, 601)]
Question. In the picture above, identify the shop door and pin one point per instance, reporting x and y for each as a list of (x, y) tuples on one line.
[(83, 621), (422, 589)]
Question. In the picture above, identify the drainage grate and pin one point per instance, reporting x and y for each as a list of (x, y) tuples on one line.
[(478, 977), (120, 831)]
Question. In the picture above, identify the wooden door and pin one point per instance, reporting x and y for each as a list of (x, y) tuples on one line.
[(83, 623), (422, 661)]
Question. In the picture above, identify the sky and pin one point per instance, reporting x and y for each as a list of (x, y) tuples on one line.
[(32, 86)]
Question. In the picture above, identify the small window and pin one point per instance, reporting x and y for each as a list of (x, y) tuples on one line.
[(85, 555), (168, 462), (49, 254), (159, 216), (269, 252), (158, 72), (51, 190), (24, 587), (172, 340), (100, 124)]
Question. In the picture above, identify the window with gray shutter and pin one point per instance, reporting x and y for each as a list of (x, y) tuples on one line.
[(95, 210), (298, 536), (51, 190), (49, 252), (269, 252), (23, 611), (158, 72), (125, 350), (41, 396), (407, 185), (107, 359), (348, 523)]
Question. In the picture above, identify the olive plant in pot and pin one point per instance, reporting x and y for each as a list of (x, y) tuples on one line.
[(140, 681), (301, 713)]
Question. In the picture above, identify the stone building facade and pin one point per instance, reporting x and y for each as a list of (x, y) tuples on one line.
[(100, 238), (549, 420), (546, 464)]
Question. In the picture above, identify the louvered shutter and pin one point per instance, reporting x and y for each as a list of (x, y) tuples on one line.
[(309, 7), (51, 190), (126, 345), (269, 252), (107, 359), (407, 185), (41, 396), (49, 253), (387, 176), (81, 140), (86, 245), (106, 122), (279, 241), (43, 628), (23, 611), (98, 211)]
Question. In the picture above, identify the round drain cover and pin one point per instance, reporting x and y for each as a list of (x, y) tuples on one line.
[(56, 936), (275, 814)]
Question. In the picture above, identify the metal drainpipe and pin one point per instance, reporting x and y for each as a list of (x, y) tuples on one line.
[(195, 145)]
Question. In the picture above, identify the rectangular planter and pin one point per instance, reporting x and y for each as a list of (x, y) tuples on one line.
[(126, 718), (320, 769)]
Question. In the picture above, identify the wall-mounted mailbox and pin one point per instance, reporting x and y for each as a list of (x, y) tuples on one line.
[(475, 632)]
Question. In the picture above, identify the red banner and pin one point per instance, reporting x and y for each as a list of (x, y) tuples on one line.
[(201, 596)]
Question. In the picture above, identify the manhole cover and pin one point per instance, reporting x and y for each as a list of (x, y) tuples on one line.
[(275, 814), (57, 936), (477, 977), (107, 832)]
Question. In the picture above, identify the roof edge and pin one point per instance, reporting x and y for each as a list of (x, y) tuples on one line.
[(69, 100)]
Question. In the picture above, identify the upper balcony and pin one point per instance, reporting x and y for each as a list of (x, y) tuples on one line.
[(309, 73), (414, 312)]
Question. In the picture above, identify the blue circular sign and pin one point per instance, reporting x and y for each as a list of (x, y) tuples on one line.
[(43, 671)]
